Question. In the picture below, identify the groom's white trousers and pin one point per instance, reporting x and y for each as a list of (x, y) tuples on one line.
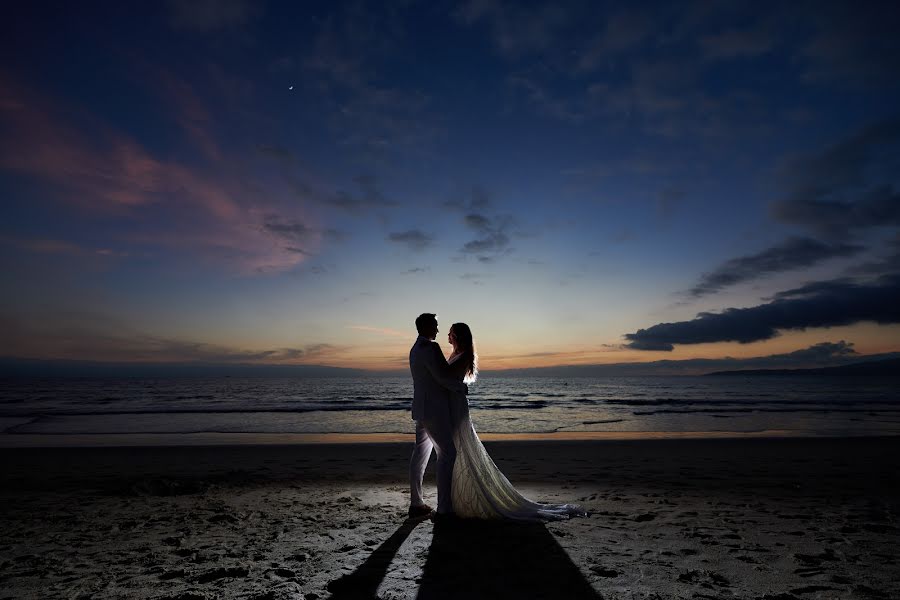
[(433, 434)]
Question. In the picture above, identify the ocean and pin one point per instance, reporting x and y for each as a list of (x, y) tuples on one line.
[(801, 406)]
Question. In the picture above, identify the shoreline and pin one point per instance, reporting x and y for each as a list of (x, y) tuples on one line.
[(82, 440), (830, 463)]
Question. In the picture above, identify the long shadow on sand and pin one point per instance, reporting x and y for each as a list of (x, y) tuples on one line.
[(497, 559), (476, 559), (364, 581)]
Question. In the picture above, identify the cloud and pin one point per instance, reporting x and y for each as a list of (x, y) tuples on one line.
[(416, 270), (59, 247), (622, 31), (817, 353), (479, 223), (475, 278), (210, 15), (823, 304), (288, 229), (492, 231), (276, 151), (837, 194), (495, 242), (662, 94), (572, 108), (853, 43), (205, 206), (412, 239), (794, 253), (345, 66), (188, 109), (851, 186), (294, 232), (84, 337), (515, 29), (477, 199), (886, 263), (824, 354), (367, 196), (492, 241), (738, 43)]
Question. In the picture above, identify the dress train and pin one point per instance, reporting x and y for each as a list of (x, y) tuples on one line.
[(480, 490)]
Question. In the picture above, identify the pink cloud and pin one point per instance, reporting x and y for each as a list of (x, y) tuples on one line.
[(105, 171)]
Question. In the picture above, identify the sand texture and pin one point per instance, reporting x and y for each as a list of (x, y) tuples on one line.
[(775, 519)]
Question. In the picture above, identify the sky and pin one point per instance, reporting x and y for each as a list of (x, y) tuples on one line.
[(580, 182)]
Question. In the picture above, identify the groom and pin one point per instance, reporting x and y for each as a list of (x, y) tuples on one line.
[(432, 383)]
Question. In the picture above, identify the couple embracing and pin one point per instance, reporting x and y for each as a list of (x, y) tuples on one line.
[(469, 483)]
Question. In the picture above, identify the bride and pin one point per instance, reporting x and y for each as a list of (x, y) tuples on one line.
[(479, 489)]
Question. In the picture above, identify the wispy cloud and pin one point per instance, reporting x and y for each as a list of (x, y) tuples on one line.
[(367, 195), (515, 29), (492, 240), (413, 239), (850, 186), (107, 172), (492, 231), (84, 338), (476, 278), (625, 30), (346, 62), (738, 42), (794, 253), (416, 271), (362, 195)]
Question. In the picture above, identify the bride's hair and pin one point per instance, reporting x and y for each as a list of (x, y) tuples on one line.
[(467, 346)]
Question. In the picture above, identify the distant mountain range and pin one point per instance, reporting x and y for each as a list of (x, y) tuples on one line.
[(889, 367), (694, 366), (20, 367)]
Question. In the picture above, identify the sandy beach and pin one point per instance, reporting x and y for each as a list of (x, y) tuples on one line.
[(714, 518)]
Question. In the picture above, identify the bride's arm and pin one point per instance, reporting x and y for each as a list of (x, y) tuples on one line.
[(444, 373), (457, 369)]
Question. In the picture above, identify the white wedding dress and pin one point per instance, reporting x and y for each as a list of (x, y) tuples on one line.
[(479, 489)]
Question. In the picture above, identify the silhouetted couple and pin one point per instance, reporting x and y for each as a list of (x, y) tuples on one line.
[(469, 483)]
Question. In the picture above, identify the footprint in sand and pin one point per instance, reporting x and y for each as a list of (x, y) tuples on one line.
[(704, 578), (222, 573)]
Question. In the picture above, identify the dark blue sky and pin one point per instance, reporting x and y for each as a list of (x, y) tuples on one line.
[(294, 182)]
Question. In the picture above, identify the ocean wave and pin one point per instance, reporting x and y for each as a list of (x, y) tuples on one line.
[(203, 411), (351, 404), (822, 410), (535, 404), (723, 402)]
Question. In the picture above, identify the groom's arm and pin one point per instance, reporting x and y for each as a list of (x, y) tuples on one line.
[(442, 372)]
